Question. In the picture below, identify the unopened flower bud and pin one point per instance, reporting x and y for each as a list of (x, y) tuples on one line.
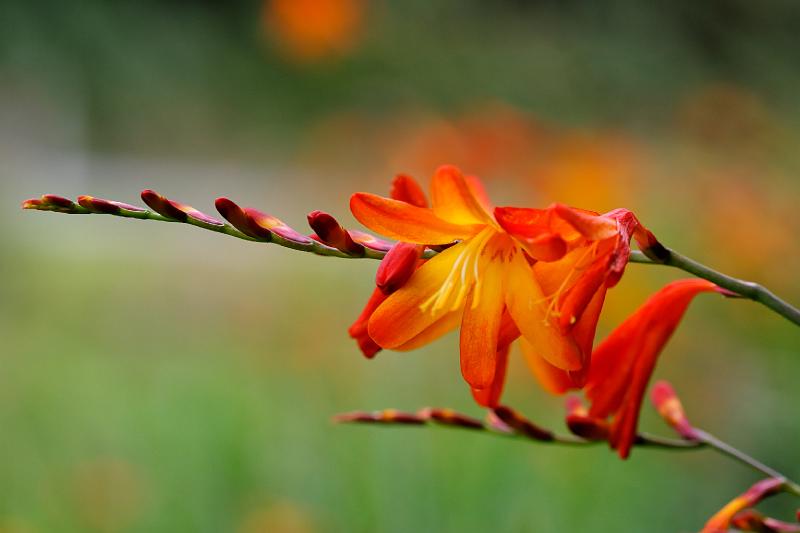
[(175, 210), (397, 266), (333, 234), (522, 425), (275, 225), (387, 416), (239, 219), (581, 424), (448, 417), (99, 205), (671, 410)]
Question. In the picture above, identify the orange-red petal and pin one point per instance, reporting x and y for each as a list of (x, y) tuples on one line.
[(591, 225), (552, 379), (400, 318), (405, 222), (490, 396), (528, 307), (406, 189), (623, 363), (454, 200), (480, 327)]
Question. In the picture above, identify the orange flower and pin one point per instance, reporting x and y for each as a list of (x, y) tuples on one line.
[(536, 273), (313, 30), (623, 363)]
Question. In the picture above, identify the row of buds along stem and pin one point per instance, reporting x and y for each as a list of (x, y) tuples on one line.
[(499, 420), (330, 238), (442, 416)]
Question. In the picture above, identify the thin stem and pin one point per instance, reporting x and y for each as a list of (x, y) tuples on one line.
[(734, 453), (746, 289)]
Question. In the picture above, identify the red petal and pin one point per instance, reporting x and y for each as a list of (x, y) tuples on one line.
[(406, 189), (405, 222), (623, 363)]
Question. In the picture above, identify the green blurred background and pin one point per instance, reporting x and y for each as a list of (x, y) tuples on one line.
[(157, 378)]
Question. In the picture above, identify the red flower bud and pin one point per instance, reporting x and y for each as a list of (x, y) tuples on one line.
[(175, 210), (333, 234), (278, 227), (397, 266), (671, 410), (448, 417), (58, 201), (99, 205), (370, 241), (522, 425), (239, 219), (387, 416), (32, 203), (581, 424)]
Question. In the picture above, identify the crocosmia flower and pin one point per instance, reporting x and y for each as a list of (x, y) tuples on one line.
[(500, 274)]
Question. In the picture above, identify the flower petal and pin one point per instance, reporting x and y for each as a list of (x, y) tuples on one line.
[(623, 363), (552, 379), (358, 330), (399, 319), (405, 222), (406, 189), (480, 326), (490, 396), (528, 307), (584, 332), (440, 327), (591, 225), (525, 223), (454, 200)]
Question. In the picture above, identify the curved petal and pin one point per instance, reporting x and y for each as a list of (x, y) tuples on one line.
[(454, 200), (528, 223), (400, 318), (490, 396), (528, 307), (591, 225), (584, 332), (480, 326), (553, 380), (406, 189), (623, 363), (358, 330), (440, 327), (406, 222)]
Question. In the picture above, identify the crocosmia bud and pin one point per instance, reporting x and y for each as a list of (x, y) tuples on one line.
[(397, 266), (332, 233), (671, 410)]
